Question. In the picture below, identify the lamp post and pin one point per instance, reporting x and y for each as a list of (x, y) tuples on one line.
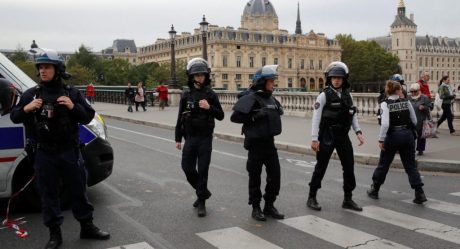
[(173, 81), (204, 35)]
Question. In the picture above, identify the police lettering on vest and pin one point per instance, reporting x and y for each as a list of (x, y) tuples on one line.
[(399, 113)]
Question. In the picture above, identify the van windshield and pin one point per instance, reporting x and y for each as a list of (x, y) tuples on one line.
[(11, 72)]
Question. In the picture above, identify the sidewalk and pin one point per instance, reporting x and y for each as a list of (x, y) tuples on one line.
[(442, 154)]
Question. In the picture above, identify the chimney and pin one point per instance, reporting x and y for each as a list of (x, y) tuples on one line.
[(412, 17)]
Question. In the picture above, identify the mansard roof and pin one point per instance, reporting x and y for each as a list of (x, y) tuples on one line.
[(120, 45), (401, 20)]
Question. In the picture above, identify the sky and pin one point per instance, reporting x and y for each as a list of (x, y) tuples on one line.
[(66, 24)]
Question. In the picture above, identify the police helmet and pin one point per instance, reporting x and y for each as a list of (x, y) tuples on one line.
[(337, 69), (263, 74), (198, 66), (397, 77), (49, 56), (8, 96)]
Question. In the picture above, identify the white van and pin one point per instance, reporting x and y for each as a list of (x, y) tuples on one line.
[(15, 166)]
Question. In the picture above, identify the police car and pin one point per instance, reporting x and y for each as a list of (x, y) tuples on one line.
[(16, 168)]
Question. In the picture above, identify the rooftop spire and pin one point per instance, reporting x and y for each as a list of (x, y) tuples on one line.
[(401, 8), (298, 26), (401, 4)]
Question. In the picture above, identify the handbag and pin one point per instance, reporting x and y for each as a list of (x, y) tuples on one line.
[(429, 129), (438, 102)]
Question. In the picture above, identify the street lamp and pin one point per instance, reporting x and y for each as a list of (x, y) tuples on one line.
[(173, 81), (204, 34)]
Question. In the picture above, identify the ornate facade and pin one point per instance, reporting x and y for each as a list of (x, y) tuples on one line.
[(437, 55), (235, 54)]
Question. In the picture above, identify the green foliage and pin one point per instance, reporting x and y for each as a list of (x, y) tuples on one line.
[(81, 75), (366, 60), (85, 58), (28, 68), (19, 55), (116, 72)]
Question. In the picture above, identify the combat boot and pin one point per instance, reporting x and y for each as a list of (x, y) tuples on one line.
[(270, 210), (90, 231), (55, 238), (201, 208), (348, 203), (312, 203), (257, 213), (195, 204), (419, 196), (373, 192)]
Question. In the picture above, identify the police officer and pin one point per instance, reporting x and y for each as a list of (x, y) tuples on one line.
[(260, 113), (333, 115), (198, 108), (51, 113), (397, 135), (8, 96), (382, 97)]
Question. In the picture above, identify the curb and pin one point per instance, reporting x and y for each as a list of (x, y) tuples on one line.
[(434, 165)]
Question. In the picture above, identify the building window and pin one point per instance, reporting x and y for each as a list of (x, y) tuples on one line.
[(224, 61), (426, 61), (432, 61), (302, 64), (289, 82), (251, 61), (212, 61), (420, 62), (238, 47), (320, 65), (238, 77), (238, 61), (397, 42), (225, 76), (264, 61), (275, 61), (289, 62), (312, 66), (251, 76)]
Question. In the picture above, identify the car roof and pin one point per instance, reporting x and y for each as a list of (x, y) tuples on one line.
[(11, 72)]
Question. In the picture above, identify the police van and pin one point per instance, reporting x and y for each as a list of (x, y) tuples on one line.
[(16, 168)]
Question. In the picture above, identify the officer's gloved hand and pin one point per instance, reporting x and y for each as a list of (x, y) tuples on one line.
[(260, 114)]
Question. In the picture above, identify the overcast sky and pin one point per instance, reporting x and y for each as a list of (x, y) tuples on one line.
[(65, 25)]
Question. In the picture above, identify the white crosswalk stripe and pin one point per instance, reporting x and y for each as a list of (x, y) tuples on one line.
[(338, 234), (442, 206), (235, 237), (456, 194), (419, 225), (142, 245)]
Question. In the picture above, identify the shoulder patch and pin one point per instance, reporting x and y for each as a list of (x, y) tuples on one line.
[(317, 105)]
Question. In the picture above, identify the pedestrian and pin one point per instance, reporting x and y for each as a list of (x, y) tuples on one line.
[(198, 107), (397, 135), (422, 107), (448, 97), (139, 98), (129, 95), (333, 115), (90, 94), (260, 113), (424, 84), (51, 113), (162, 91)]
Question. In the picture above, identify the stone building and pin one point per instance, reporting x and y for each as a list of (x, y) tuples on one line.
[(235, 54), (437, 55), (122, 49)]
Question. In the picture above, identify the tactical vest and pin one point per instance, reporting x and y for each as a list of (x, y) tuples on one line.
[(268, 126), (338, 112), (197, 120), (399, 113), (53, 125)]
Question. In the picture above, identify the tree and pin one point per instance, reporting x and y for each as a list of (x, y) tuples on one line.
[(366, 60), (116, 72), (84, 57), (81, 75)]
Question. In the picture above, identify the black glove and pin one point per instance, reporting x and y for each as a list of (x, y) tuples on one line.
[(260, 114)]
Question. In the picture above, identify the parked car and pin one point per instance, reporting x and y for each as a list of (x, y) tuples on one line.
[(16, 168)]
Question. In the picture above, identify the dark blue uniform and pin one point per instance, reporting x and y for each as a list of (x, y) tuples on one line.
[(54, 130), (398, 135), (196, 125)]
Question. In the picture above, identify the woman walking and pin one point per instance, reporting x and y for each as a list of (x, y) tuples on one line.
[(448, 97), (422, 106), (139, 99)]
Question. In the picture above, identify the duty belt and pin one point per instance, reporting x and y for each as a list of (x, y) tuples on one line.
[(398, 127)]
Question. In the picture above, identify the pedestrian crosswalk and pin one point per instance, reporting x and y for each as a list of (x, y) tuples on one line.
[(339, 234), (345, 236)]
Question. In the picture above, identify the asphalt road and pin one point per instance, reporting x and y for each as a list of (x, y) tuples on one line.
[(148, 202)]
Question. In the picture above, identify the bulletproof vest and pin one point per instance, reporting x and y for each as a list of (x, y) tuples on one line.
[(267, 126), (399, 112), (197, 120), (52, 121), (337, 112)]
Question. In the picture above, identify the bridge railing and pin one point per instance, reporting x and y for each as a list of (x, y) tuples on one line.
[(294, 103)]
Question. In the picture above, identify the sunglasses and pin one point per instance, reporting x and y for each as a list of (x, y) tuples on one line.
[(414, 91)]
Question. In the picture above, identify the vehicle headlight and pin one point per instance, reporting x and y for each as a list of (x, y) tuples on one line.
[(97, 125)]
